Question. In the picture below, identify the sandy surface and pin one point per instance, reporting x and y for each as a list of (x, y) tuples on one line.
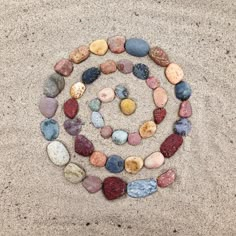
[(200, 36)]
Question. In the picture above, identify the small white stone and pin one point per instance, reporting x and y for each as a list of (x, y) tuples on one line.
[(106, 95), (154, 160), (77, 90)]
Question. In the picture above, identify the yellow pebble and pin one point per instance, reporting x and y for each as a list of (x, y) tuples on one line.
[(133, 164), (99, 47), (127, 106), (147, 129), (77, 90)]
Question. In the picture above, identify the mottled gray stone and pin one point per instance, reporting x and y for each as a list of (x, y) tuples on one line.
[(182, 127)]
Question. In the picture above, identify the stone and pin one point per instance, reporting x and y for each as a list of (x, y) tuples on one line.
[(64, 67), (48, 106), (134, 139), (182, 127), (106, 131), (49, 129), (133, 164), (125, 66), (79, 54), (116, 44), (95, 104), (153, 82), (73, 127), (92, 183), (159, 56), (97, 119), (159, 115), (113, 188), (74, 173), (160, 97), (141, 188), (90, 75), (147, 129), (108, 67), (137, 47), (83, 146), (141, 71), (154, 160), (174, 73), (106, 95), (119, 137), (183, 91), (98, 159), (171, 144), (127, 106), (185, 109), (53, 85), (71, 108), (57, 153), (115, 164), (166, 178), (77, 90), (121, 91), (98, 47)]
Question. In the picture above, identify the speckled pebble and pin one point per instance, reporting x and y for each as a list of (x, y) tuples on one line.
[(106, 95), (83, 146), (174, 73), (92, 183), (160, 97), (159, 115), (185, 109), (108, 67), (116, 44), (95, 104), (49, 129), (119, 137), (106, 131), (121, 91), (182, 127), (77, 90), (137, 47), (125, 66), (73, 127), (166, 178), (154, 160), (97, 119), (115, 164), (79, 54), (98, 159), (74, 173), (90, 75), (71, 108), (48, 106), (141, 71), (147, 129), (127, 106), (64, 67), (134, 139), (153, 82), (159, 56), (183, 91), (133, 164), (98, 47)]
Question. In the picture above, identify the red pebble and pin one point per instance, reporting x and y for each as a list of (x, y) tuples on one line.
[(185, 109), (83, 146), (71, 108), (159, 115), (113, 187), (64, 67), (166, 178), (171, 145)]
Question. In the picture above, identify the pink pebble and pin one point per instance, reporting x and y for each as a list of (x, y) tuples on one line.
[(134, 139), (92, 184), (166, 178), (64, 67), (153, 82), (106, 131)]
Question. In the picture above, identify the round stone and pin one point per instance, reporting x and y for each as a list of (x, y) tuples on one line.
[(159, 115), (116, 44), (79, 54), (154, 160), (182, 127), (159, 56), (97, 119), (185, 109), (141, 71), (119, 137), (98, 159), (48, 106), (73, 127), (147, 129), (133, 164), (160, 97), (77, 90), (83, 146), (121, 91), (134, 139), (125, 66), (98, 47), (71, 108), (108, 67), (95, 104), (127, 106), (49, 129), (115, 164), (166, 178), (57, 153), (153, 82), (64, 67), (92, 184), (174, 73), (106, 95), (183, 91), (90, 75), (137, 47), (106, 132), (73, 173)]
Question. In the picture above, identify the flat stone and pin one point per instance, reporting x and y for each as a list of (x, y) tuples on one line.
[(115, 164), (108, 67), (127, 106), (98, 47), (77, 90), (147, 129), (48, 106), (106, 95), (137, 47), (98, 159), (159, 56), (174, 73), (71, 108), (166, 178), (160, 97), (183, 91), (125, 66), (74, 173), (64, 67), (83, 146), (134, 139), (92, 184), (90, 75), (154, 160), (185, 109), (141, 71), (116, 44), (97, 119), (95, 104), (106, 131), (121, 91), (73, 127), (133, 164), (119, 137), (182, 127), (153, 82), (159, 115), (49, 129), (79, 54)]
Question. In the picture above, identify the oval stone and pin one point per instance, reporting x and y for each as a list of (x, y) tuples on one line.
[(134, 139), (141, 71), (154, 160), (83, 146), (73, 127), (64, 67), (92, 183), (95, 104), (159, 56), (147, 129), (79, 54), (74, 173), (48, 106), (125, 66), (182, 127), (174, 73), (159, 115), (160, 97), (166, 178), (97, 119), (49, 129), (106, 95), (185, 109), (90, 75), (127, 106), (119, 137), (183, 91), (98, 47), (133, 164), (98, 159), (77, 90), (115, 164), (137, 47), (121, 91), (106, 131), (108, 67), (116, 44), (153, 82), (71, 108)]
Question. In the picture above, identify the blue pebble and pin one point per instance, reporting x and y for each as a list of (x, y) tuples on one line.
[(141, 71), (97, 119), (137, 47), (141, 188), (121, 91), (90, 75), (119, 137), (182, 127), (183, 91), (95, 104), (49, 129), (115, 164)]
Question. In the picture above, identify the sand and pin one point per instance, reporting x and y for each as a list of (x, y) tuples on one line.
[(35, 199)]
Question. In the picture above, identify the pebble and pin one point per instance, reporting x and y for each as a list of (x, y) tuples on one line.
[(106, 95), (83, 146), (127, 106), (171, 145), (160, 97), (159, 115), (183, 91), (79, 54), (121, 91), (113, 188), (115, 164), (154, 160), (92, 183), (137, 47), (166, 178), (133, 164), (153, 82), (119, 137), (53, 85), (134, 139), (64, 67), (95, 104), (77, 90), (97, 119), (106, 131), (174, 73), (49, 129), (141, 188), (185, 109), (98, 47), (116, 44), (73, 127), (159, 56), (125, 66), (71, 108), (98, 159), (90, 75), (57, 153), (141, 71), (147, 129), (48, 106), (108, 67), (182, 127), (74, 173)]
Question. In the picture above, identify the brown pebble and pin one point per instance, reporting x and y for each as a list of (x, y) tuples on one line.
[(174, 73), (159, 56), (64, 67), (133, 164), (79, 54), (98, 159), (116, 44), (147, 129), (108, 67)]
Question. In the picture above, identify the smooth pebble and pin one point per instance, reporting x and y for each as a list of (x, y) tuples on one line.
[(48, 106), (185, 109), (95, 104), (106, 131), (159, 115), (73, 127), (108, 67), (106, 95), (183, 91), (141, 71), (90, 75), (79, 54), (153, 82), (97, 119), (159, 56), (119, 137), (134, 139), (154, 160), (83, 146), (49, 129), (174, 73), (127, 106), (115, 164), (92, 183), (147, 129), (77, 90), (121, 91), (166, 178), (98, 159), (133, 164), (71, 108), (98, 47), (182, 127), (125, 66), (116, 44), (64, 67), (160, 97), (137, 47), (74, 173)]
